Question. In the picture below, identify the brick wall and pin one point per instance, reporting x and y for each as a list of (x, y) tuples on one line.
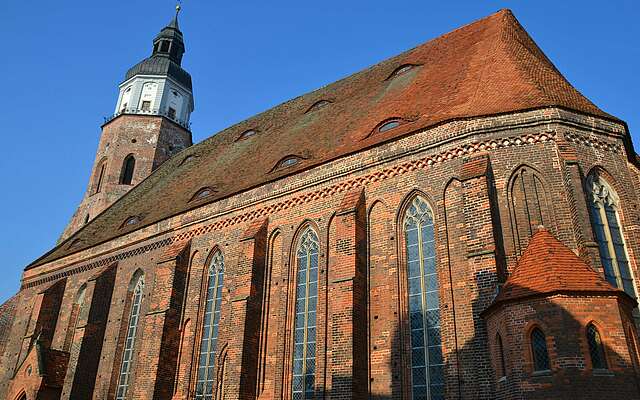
[(465, 170), (7, 316), (564, 319), (151, 139)]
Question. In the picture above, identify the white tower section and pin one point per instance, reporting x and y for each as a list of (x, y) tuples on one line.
[(158, 85), (155, 95)]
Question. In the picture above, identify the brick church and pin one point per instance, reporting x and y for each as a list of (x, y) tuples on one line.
[(456, 222)]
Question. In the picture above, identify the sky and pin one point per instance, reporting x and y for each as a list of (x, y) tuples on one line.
[(61, 63)]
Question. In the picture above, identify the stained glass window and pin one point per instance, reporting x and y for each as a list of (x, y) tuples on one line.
[(539, 350), (613, 254), (304, 336), (596, 349), (427, 373), (206, 364), (127, 356)]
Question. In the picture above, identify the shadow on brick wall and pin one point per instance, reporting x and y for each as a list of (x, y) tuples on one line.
[(563, 318), (472, 371)]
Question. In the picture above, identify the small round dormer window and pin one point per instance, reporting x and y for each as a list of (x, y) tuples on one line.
[(132, 220), (204, 193), (387, 126), (289, 162), (247, 134), (318, 105), (401, 70)]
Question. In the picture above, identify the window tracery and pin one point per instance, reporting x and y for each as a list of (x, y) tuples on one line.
[(304, 337), (132, 328), (208, 342), (427, 367), (604, 204)]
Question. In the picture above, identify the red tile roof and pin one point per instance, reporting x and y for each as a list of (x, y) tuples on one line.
[(547, 266), (488, 67)]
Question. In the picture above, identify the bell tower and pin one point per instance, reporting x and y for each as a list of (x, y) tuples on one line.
[(150, 124)]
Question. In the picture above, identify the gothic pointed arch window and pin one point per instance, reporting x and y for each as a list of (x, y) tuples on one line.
[(209, 339), (304, 333), (604, 204), (539, 351), (596, 348), (528, 205), (132, 328), (427, 373), (128, 167)]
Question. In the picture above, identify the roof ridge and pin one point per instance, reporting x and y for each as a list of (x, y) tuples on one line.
[(526, 42), (512, 22), (491, 54)]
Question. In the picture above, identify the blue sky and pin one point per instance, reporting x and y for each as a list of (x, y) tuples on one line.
[(62, 62)]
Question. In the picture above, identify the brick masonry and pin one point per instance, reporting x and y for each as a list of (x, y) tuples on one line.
[(479, 177), (150, 139)]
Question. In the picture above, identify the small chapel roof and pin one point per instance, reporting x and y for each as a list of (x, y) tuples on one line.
[(548, 267), (488, 67)]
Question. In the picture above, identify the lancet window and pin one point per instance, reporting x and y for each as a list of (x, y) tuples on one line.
[(604, 205), (132, 328), (304, 337), (427, 374), (208, 342)]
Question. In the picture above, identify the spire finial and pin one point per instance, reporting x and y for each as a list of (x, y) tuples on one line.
[(174, 21)]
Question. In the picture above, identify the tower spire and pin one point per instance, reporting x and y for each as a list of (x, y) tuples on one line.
[(174, 22)]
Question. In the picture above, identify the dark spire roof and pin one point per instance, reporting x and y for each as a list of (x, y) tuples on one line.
[(168, 48)]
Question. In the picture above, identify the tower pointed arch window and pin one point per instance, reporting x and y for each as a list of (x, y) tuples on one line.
[(98, 177), (304, 332), (132, 328), (208, 342), (604, 204), (427, 374), (128, 167)]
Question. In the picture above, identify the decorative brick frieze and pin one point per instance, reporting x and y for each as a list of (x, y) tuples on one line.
[(340, 187)]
